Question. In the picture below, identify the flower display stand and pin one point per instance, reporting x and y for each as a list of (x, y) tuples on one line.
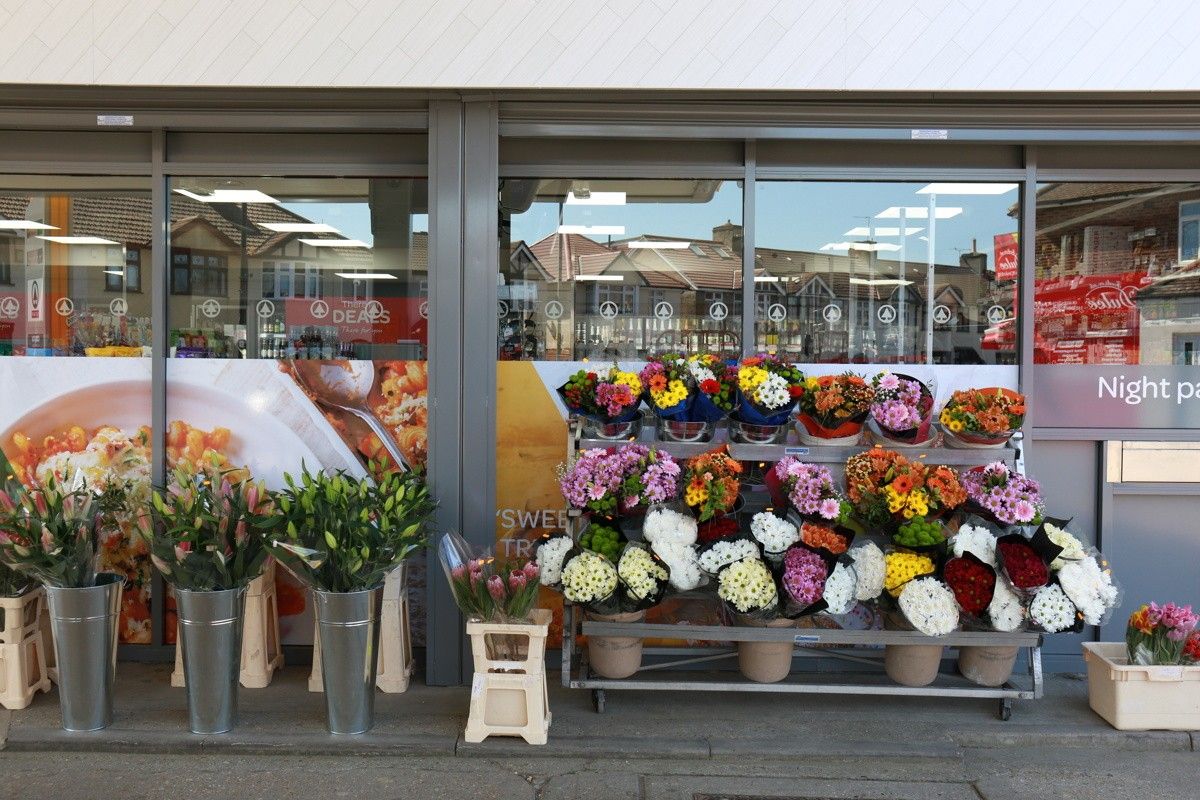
[(395, 640), (1141, 698), (23, 647), (261, 651), (508, 696)]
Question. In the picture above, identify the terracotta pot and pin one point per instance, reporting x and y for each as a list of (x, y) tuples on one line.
[(912, 664), (987, 666), (615, 656), (766, 662)]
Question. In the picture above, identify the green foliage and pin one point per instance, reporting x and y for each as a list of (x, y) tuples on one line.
[(344, 534), (210, 529)]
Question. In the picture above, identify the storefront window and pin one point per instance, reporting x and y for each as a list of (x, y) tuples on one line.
[(297, 315), (857, 272), (72, 286), (1118, 274)]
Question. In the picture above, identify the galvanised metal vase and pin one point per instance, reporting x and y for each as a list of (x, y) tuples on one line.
[(348, 626), (210, 630), (84, 623)]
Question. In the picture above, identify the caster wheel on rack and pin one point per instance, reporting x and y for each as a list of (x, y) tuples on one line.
[(1005, 710), (598, 700)]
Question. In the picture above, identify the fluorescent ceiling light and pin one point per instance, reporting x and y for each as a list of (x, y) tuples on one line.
[(616, 230), (918, 212), (367, 276), (113, 272), (967, 188), (865, 231), (24, 225), (599, 277), (334, 243), (645, 245), (77, 240), (766, 279), (868, 247), (881, 282), (229, 196), (596, 199), (298, 227)]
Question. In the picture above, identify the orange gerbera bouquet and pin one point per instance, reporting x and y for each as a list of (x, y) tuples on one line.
[(711, 483), (835, 405), (886, 487), (985, 416)]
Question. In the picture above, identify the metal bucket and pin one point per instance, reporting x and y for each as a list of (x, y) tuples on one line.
[(210, 630), (348, 627), (84, 622)]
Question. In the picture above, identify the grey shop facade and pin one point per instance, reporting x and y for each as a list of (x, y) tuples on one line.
[(185, 261)]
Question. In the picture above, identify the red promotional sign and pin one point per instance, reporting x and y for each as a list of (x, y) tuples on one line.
[(1007, 253), (386, 320), (1089, 319)]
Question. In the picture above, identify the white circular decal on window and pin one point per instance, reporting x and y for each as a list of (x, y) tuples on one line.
[(886, 314), (319, 309), (210, 308), (996, 314), (609, 310), (118, 307), (423, 309), (664, 310), (65, 307), (942, 314), (718, 311), (501, 309), (832, 312), (10, 307), (374, 310), (265, 309), (777, 312), (554, 310)]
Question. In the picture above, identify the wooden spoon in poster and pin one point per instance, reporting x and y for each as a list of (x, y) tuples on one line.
[(345, 386)]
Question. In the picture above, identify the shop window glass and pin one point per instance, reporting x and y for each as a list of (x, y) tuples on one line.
[(75, 341), (854, 272), (297, 326), (1118, 273)]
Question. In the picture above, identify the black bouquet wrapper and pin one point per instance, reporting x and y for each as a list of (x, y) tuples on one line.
[(764, 614), (605, 605), (546, 538), (789, 607), (1041, 545)]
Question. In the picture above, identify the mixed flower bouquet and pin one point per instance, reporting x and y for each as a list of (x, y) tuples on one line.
[(611, 395), (711, 483), (983, 416), (835, 406), (809, 488), (748, 586), (717, 384), (668, 384), (672, 536), (768, 389), (885, 487), (648, 476), (929, 606), (1003, 495), (902, 408), (1158, 635), (210, 532), (488, 589)]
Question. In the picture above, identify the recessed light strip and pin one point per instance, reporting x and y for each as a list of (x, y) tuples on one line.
[(367, 276), (334, 243)]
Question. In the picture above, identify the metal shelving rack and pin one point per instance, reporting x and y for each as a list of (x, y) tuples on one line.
[(853, 646)]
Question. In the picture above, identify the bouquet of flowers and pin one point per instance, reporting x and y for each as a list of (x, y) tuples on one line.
[(590, 580), (901, 567), (711, 483), (1052, 610), (983, 416), (720, 553), (809, 488), (1003, 495), (550, 554), (749, 588), (773, 533), (672, 537), (835, 406), (870, 571), (488, 589), (717, 384), (839, 595), (643, 578), (768, 389), (668, 383), (885, 487), (592, 482), (902, 408), (825, 537), (648, 476), (1026, 569), (1006, 612), (210, 532), (803, 577), (1072, 548), (929, 606), (977, 540), (972, 581), (1162, 635), (1090, 587), (612, 395)]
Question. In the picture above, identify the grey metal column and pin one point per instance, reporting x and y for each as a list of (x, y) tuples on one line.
[(749, 304), (444, 661), (159, 340), (1026, 239)]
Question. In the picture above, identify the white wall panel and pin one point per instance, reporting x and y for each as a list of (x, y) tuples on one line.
[(683, 44)]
